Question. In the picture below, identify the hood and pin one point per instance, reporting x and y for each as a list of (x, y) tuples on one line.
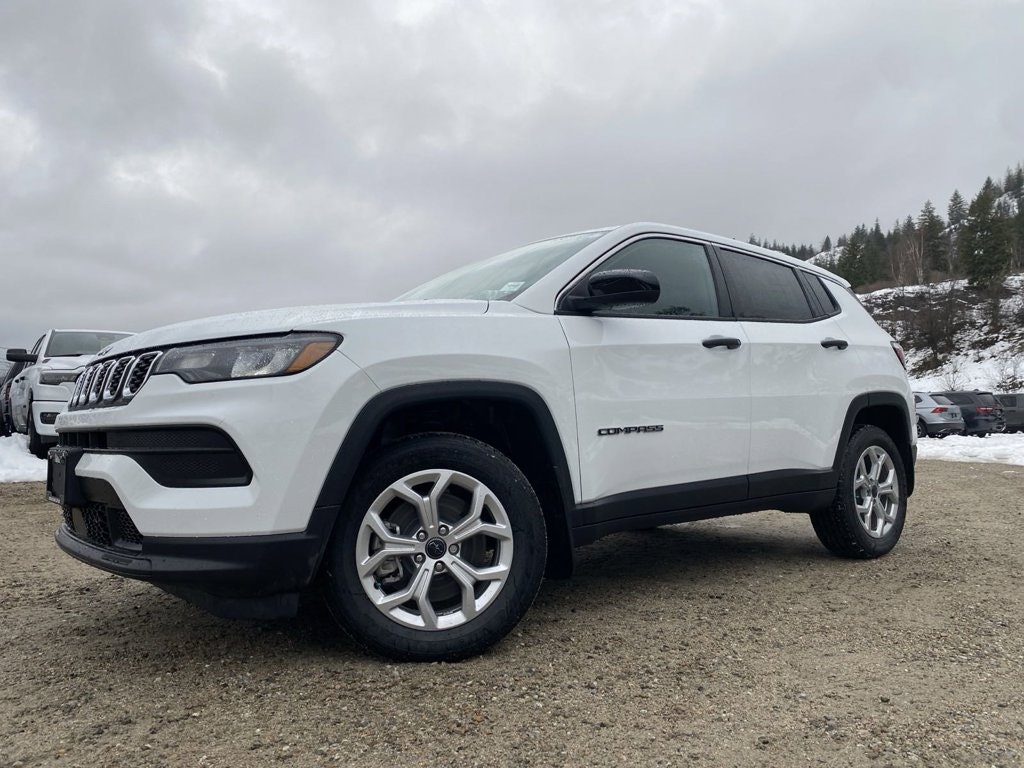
[(65, 363), (329, 317)]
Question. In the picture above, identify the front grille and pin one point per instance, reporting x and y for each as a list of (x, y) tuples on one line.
[(103, 525), (112, 382)]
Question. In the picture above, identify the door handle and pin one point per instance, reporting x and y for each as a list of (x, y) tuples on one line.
[(837, 343), (721, 341)]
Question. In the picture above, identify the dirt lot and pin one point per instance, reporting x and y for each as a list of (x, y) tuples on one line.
[(732, 642)]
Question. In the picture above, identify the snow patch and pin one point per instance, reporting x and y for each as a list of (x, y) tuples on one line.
[(998, 449), (17, 465)]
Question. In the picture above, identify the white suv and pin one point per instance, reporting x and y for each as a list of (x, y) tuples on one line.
[(41, 390), (428, 460)]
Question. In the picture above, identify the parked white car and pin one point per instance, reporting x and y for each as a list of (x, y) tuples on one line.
[(429, 460), (40, 392)]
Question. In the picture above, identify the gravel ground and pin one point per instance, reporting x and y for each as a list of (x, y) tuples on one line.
[(731, 642)]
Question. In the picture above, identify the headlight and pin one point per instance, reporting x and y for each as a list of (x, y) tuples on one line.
[(60, 377), (248, 358)]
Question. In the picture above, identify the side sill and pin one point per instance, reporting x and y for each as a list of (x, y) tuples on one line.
[(804, 501)]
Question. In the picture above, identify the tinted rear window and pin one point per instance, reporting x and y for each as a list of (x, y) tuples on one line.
[(960, 399), (762, 289), (942, 399), (987, 399)]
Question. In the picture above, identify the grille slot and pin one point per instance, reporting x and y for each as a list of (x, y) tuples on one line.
[(139, 372), (116, 378), (97, 381)]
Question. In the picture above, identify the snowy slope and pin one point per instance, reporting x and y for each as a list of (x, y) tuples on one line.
[(984, 358), (827, 259)]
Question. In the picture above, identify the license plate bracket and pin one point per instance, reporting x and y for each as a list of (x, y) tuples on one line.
[(62, 484)]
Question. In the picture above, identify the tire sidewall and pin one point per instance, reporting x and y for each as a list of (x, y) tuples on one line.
[(859, 442), (369, 626), (35, 444)]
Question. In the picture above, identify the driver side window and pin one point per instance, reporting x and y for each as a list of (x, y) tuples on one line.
[(682, 269)]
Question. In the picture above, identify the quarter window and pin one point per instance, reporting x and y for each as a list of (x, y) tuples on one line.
[(763, 290), (682, 269), (821, 294)]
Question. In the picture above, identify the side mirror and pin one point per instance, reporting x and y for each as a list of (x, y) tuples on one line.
[(614, 287), (20, 356)]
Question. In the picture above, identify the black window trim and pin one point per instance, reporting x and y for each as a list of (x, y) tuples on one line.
[(797, 270), (725, 313)]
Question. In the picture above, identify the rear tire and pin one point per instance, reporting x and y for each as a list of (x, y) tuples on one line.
[(867, 515), (922, 431), (419, 498)]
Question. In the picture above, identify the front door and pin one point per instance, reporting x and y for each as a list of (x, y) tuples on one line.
[(662, 400)]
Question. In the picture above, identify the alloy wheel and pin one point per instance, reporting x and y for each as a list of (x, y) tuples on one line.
[(434, 549), (876, 491)]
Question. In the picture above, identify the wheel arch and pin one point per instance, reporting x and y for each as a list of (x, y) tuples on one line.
[(889, 412), (512, 417)]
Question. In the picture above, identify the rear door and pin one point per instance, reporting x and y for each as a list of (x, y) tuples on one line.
[(800, 382), (661, 399)]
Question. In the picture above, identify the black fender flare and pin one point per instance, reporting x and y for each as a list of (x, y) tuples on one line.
[(871, 399), (375, 411)]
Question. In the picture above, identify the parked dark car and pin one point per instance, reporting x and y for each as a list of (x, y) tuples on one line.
[(6, 424), (1013, 411), (981, 411)]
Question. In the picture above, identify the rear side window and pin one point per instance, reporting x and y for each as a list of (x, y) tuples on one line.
[(1010, 401), (764, 290), (917, 399)]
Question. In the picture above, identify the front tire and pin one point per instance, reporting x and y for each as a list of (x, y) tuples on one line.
[(866, 517), (439, 550), (35, 443)]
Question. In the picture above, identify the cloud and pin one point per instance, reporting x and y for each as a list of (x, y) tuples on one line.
[(166, 161)]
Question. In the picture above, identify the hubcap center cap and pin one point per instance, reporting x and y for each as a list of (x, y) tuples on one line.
[(436, 548)]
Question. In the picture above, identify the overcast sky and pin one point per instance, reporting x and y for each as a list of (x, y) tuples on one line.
[(163, 161)]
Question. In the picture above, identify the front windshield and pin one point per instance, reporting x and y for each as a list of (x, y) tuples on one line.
[(504, 277), (75, 343)]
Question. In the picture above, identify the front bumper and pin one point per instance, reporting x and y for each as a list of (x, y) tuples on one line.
[(233, 577), (44, 415), (288, 430)]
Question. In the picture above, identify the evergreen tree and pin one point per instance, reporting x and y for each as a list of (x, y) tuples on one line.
[(850, 263), (826, 246), (956, 213), (1018, 181), (930, 226), (986, 242)]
